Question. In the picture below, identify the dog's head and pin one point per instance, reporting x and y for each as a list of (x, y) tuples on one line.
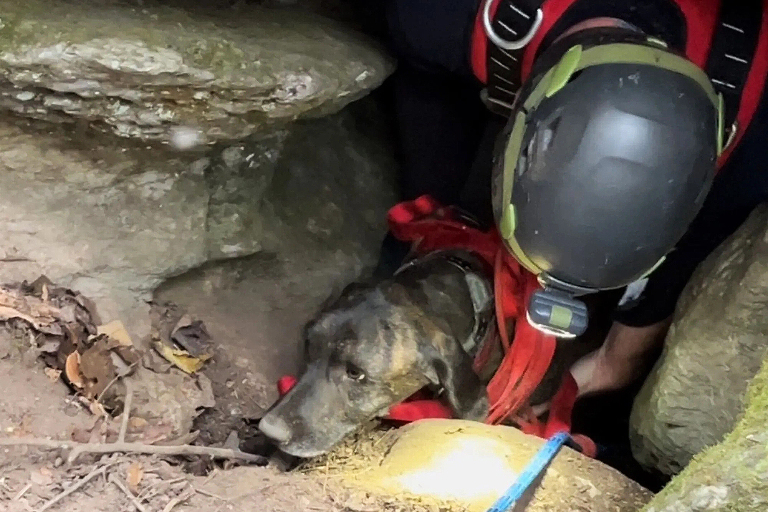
[(372, 348)]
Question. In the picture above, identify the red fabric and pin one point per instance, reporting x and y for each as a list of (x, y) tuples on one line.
[(284, 384), (700, 16), (479, 44), (701, 22)]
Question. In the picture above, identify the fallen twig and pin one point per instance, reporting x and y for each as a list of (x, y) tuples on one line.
[(22, 492), (210, 494), (178, 499), (148, 449), (126, 410), (134, 501), (66, 492), (78, 449)]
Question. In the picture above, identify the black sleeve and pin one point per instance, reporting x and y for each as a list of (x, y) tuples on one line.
[(739, 187)]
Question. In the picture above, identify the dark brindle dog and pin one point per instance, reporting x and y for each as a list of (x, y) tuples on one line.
[(379, 343)]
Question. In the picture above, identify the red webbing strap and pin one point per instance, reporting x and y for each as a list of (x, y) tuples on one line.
[(528, 355)]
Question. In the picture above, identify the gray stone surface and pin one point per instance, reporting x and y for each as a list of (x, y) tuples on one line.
[(114, 222), (716, 345), (731, 476), (164, 74)]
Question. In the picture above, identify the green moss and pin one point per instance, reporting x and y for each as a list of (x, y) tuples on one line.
[(739, 462), (252, 44)]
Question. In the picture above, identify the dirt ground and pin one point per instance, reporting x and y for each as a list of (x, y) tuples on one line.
[(253, 309), (31, 481), (246, 305)]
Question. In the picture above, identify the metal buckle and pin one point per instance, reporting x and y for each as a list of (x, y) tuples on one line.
[(503, 43)]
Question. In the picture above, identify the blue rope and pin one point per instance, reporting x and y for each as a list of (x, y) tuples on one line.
[(534, 468)]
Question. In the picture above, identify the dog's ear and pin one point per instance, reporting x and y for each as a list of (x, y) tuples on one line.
[(451, 368)]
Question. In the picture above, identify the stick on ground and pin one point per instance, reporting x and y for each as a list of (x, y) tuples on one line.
[(179, 499), (128, 493), (186, 449), (126, 410), (66, 492), (22, 492)]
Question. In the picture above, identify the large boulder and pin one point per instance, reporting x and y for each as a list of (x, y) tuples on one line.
[(466, 466), (731, 476), (165, 74), (114, 221), (717, 342)]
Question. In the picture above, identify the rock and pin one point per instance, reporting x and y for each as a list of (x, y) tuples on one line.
[(465, 465), (731, 475), (169, 402), (114, 222), (174, 76), (718, 339)]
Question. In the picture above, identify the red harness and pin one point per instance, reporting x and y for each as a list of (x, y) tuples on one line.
[(527, 356), (702, 19)]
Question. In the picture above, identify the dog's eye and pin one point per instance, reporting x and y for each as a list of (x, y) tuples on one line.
[(355, 373)]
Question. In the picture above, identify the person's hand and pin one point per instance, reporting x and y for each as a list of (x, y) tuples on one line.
[(625, 356)]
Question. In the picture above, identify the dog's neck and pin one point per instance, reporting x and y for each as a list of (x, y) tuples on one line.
[(458, 293)]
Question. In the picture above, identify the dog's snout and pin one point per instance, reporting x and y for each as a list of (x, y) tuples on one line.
[(275, 428)]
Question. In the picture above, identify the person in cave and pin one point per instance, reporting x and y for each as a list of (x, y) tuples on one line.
[(620, 181)]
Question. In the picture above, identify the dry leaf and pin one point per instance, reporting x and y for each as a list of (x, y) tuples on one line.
[(135, 474), (192, 336), (39, 287), (97, 367), (89, 307), (50, 346), (80, 435), (181, 358), (137, 423), (116, 331), (41, 477), (6, 313), (72, 370), (53, 374), (156, 433)]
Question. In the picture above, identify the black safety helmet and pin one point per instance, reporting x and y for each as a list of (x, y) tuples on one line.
[(605, 162)]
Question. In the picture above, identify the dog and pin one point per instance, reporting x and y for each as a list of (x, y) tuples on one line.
[(380, 342)]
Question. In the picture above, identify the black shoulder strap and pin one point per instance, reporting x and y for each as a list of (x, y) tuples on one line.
[(733, 49), (514, 19)]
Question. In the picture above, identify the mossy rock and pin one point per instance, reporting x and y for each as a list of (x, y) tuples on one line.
[(718, 339), (731, 476), (145, 72)]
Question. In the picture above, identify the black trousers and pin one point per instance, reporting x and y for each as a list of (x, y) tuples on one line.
[(446, 139)]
